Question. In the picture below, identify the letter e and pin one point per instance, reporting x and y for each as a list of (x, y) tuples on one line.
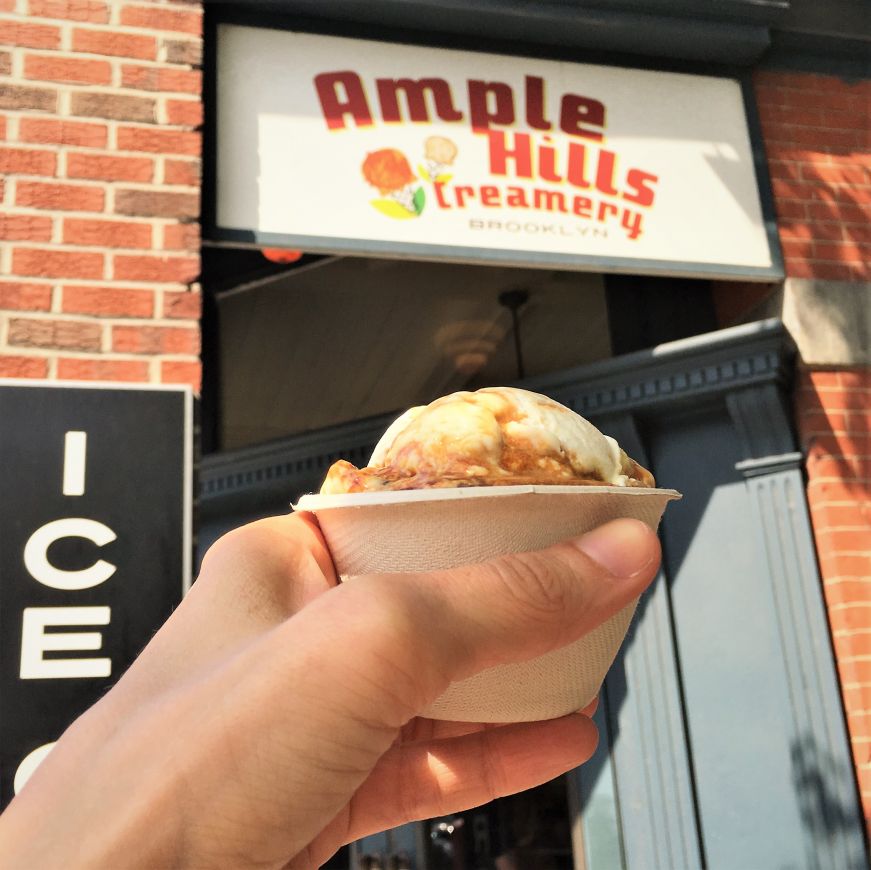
[(35, 642)]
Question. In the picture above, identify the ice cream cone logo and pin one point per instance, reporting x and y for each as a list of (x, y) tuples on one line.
[(439, 153), (389, 171)]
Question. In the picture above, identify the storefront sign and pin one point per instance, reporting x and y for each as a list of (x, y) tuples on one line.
[(335, 144), (95, 549)]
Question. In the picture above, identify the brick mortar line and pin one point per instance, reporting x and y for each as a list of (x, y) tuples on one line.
[(129, 90), (154, 222), (189, 128), (57, 148), (31, 211), (845, 605), (72, 248), (17, 67), (104, 319), (94, 355), (143, 186), (66, 30), (104, 283), (35, 114)]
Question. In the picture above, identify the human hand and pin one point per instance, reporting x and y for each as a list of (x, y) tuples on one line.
[(274, 717)]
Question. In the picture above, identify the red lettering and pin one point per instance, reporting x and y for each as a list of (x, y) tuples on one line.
[(631, 222), (335, 107), (416, 92), (535, 104), (578, 114), (500, 154), (605, 173), (577, 168), (581, 206), (516, 197), (549, 200), (547, 162), (440, 196), (641, 184), (605, 209), (461, 192), (490, 195), (481, 116)]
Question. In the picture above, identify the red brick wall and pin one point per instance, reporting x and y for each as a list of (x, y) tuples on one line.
[(817, 132), (100, 111), (834, 417), (818, 141)]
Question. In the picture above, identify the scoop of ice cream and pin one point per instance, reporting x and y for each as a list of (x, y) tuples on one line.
[(495, 436), (439, 149), (387, 169)]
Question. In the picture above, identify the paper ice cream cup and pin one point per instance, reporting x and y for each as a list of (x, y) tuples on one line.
[(424, 530)]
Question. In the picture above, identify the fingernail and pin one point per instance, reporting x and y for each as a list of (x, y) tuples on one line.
[(621, 547)]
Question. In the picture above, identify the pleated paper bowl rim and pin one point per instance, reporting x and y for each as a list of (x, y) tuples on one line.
[(315, 502)]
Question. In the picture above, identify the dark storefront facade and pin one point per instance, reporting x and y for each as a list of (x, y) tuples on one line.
[(723, 708)]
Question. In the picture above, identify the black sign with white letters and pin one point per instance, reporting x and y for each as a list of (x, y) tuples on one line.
[(95, 548)]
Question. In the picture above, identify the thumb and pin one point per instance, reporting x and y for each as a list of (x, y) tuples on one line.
[(414, 634), (520, 606)]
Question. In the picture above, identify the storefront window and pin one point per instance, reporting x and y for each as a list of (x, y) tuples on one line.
[(347, 338)]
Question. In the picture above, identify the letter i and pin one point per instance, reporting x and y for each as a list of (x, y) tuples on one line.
[(75, 449)]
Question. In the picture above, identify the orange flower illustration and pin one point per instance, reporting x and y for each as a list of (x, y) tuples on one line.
[(388, 170)]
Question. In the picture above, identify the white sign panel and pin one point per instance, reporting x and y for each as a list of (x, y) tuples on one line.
[(348, 145)]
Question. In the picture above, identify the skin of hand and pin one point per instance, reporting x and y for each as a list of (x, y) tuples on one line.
[(274, 717)]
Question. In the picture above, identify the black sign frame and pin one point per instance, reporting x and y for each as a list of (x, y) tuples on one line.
[(96, 546)]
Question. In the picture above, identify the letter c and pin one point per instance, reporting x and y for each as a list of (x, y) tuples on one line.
[(36, 554)]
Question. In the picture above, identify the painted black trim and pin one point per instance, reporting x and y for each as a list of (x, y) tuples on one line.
[(763, 177), (494, 256), (849, 59), (635, 32)]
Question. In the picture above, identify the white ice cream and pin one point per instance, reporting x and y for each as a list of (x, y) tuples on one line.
[(478, 427)]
